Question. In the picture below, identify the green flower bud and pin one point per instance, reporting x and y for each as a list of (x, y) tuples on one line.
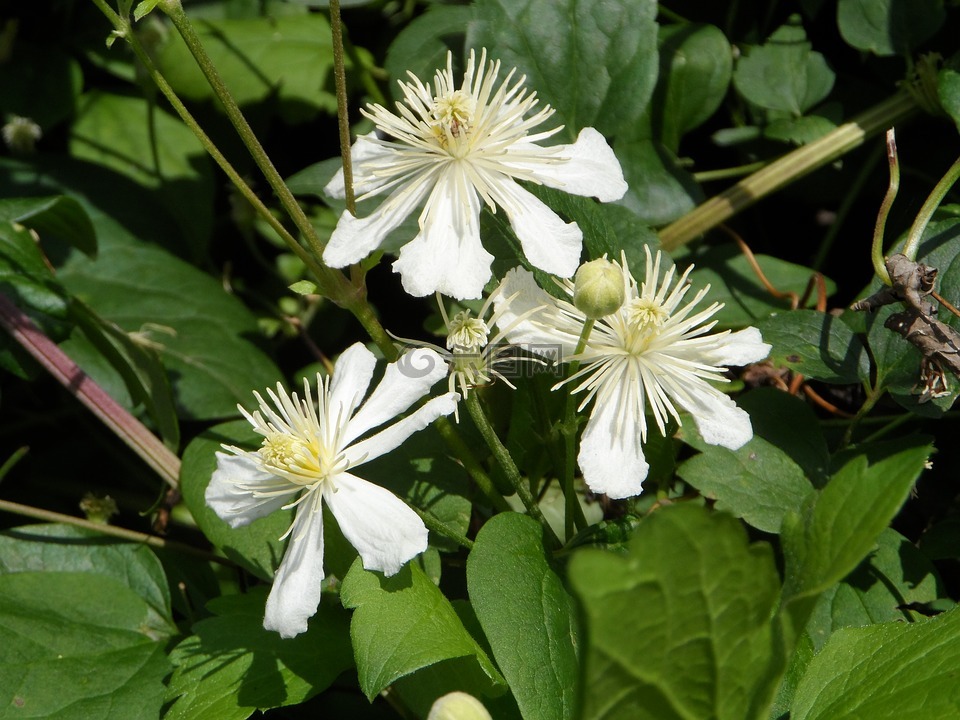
[(598, 288), (458, 706)]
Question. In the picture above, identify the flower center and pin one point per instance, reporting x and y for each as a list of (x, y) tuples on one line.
[(646, 314), (452, 115), (302, 463), (466, 334)]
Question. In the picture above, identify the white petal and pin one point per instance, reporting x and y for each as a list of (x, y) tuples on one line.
[(591, 169), (355, 238), (404, 382), (718, 418), (447, 255), (611, 456), (548, 242), (351, 378), (376, 522), (366, 156), (739, 348), (519, 284), (235, 504), (296, 587), (391, 438)]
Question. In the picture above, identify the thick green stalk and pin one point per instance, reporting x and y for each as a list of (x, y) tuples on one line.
[(787, 169), (506, 462)]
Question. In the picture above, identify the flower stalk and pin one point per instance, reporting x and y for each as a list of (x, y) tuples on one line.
[(343, 115)]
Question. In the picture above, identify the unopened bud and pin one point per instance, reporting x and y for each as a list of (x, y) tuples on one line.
[(598, 288), (458, 706)]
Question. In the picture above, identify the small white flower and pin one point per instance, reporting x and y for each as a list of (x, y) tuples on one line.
[(471, 354), (307, 457), (448, 149), (21, 134), (653, 354)]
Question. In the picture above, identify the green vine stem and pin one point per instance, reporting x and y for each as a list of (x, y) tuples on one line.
[(572, 512), (124, 425), (786, 169), (930, 206), (343, 116), (123, 28), (470, 463), (876, 252), (506, 462), (111, 530), (435, 524)]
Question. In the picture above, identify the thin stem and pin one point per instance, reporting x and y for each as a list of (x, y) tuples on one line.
[(123, 26), (572, 512), (174, 10), (724, 173), (929, 207), (506, 462), (11, 461), (111, 530), (470, 463), (873, 396), (786, 169), (343, 117), (876, 253), (124, 425), (438, 526)]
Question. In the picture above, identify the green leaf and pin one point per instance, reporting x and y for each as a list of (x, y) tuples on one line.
[(231, 666), (607, 229), (790, 424), (143, 9), (61, 216), (895, 575), (404, 623), (137, 362), (784, 73), (78, 644), (61, 548), (659, 189), (153, 149), (526, 614), (289, 57), (421, 47), (888, 27), (696, 64), (948, 91), (600, 72), (894, 670), (759, 482), (734, 283), (680, 627), (839, 525), (200, 333), (817, 345), (25, 276), (255, 546)]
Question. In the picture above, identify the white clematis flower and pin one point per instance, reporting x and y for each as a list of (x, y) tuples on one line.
[(654, 354), (449, 149), (306, 459)]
